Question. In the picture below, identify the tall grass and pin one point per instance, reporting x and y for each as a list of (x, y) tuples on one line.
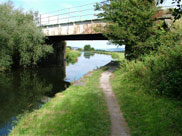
[(146, 114), (159, 73), (150, 93)]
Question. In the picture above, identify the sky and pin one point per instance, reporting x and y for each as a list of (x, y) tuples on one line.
[(46, 6)]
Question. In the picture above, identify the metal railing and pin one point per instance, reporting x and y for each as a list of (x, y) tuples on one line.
[(67, 15), (74, 14)]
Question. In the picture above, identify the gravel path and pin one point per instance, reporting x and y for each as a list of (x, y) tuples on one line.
[(118, 125)]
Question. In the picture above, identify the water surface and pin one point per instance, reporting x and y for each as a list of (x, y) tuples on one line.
[(26, 90), (86, 62)]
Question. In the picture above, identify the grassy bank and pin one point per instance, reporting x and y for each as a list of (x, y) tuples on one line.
[(72, 55), (147, 115), (149, 93), (79, 111), (114, 55)]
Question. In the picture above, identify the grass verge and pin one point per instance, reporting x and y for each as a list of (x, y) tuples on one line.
[(146, 114), (115, 55), (79, 111)]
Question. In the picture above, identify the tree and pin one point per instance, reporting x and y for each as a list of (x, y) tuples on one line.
[(88, 48), (92, 49), (130, 23), (80, 49), (22, 43)]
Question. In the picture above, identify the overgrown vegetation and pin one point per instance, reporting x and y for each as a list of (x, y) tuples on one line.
[(79, 111), (148, 87), (149, 92), (159, 72), (21, 41), (72, 55), (146, 114)]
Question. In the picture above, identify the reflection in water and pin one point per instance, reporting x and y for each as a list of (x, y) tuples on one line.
[(84, 65), (19, 92), (87, 55), (54, 76), (71, 61), (24, 90)]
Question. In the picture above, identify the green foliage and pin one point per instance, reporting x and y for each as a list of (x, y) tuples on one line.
[(130, 23), (146, 114), (71, 56), (149, 89), (21, 41), (160, 72), (88, 48), (80, 49)]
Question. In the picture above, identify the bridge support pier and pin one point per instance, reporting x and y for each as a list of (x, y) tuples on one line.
[(58, 56)]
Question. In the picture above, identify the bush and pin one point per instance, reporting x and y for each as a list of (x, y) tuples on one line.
[(159, 73), (72, 56), (21, 41)]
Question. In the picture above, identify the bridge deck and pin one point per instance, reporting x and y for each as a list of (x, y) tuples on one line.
[(76, 30)]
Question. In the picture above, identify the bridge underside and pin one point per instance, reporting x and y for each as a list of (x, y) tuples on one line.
[(78, 37)]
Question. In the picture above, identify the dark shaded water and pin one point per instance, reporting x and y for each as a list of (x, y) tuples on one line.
[(26, 90)]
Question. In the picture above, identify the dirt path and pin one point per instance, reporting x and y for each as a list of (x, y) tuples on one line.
[(118, 125)]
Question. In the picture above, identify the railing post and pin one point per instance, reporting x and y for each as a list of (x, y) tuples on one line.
[(80, 13), (94, 15), (58, 19), (48, 20), (40, 20), (59, 16), (69, 15)]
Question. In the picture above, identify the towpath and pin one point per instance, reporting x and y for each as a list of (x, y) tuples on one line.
[(119, 126)]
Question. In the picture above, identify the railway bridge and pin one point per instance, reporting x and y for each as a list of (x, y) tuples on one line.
[(77, 23), (74, 23)]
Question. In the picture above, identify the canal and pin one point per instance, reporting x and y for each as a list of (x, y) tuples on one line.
[(26, 90)]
